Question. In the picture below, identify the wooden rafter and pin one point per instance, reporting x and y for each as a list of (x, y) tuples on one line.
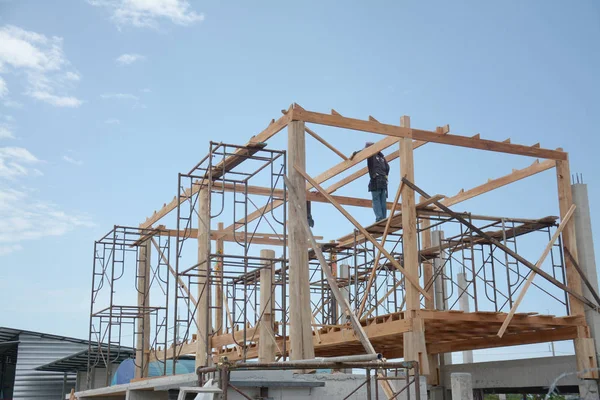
[(492, 184), (424, 135), (325, 143)]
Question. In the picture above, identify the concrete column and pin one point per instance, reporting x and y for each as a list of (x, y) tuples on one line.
[(142, 340), (266, 343), (462, 386), (464, 306), (344, 273), (585, 253), (301, 346), (437, 238), (501, 396), (588, 390), (202, 313)]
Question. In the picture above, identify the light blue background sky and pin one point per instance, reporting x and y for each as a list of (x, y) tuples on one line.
[(88, 141)]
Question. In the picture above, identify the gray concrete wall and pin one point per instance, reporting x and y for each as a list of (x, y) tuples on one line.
[(531, 372)]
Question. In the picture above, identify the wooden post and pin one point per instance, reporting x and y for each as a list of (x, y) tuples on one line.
[(414, 341), (266, 344), (219, 287), (585, 352), (142, 343), (202, 313), (301, 346), (427, 265)]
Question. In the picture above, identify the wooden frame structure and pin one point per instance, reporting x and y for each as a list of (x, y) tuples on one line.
[(383, 287)]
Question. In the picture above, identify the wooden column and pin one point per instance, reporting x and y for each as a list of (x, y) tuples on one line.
[(202, 313), (414, 341), (266, 343), (218, 299), (427, 265), (585, 351), (142, 342), (301, 346)]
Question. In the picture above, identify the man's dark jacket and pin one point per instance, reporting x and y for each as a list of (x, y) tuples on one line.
[(378, 171)]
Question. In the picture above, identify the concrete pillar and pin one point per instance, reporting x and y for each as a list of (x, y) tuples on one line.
[(437, 238), (585, 253), (142, 340), (588, 390), (501, 396), (301, 346), (462, 386), (202, 313), (464, 306), (344, 274), (266, 343)]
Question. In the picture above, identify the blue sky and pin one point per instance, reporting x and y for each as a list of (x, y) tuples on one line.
[(103, 102)]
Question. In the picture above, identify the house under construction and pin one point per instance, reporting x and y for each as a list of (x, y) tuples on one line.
[(229, 270)]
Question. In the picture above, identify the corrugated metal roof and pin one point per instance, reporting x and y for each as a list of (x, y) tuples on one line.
[(37, 349), (11, 334), (78, 361)]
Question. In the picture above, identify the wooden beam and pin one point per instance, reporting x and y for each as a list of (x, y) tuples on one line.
[(533, 274), (426, 136), (360, 228), (335, 290), (515, 176), (325, 143)]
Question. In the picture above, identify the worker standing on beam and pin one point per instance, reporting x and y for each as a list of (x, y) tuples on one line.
[(378, 183)]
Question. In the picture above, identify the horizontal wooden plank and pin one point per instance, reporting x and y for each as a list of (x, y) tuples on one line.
[(426, 136)]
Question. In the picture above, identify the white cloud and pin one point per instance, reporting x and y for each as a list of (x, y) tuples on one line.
[(147, 13), (112, 121), (127, 59), (6, 133), (23, 217), (73, 76), (12, 104), (17, 161), (72, 160), (11, 248), (146, 90), (42, 61), (119, 96), (3, 88)]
